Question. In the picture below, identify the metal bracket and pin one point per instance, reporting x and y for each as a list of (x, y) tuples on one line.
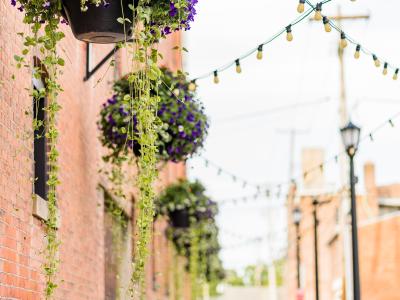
[(90, 72)]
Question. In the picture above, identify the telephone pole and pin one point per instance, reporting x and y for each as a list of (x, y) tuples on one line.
[(292, 146), (343, 119)]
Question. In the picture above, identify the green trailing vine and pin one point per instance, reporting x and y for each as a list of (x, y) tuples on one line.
[(44, 37), (145, 105), (194, 259)]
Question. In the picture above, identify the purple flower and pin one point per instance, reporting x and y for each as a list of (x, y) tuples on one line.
[(190, 117), (106, 4), (21, 8), (112, 100), (172, 10), (46, 4), (167, 30), (13, 2), (63, 21)]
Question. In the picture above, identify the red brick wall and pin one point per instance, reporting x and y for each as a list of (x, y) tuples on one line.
[(81, 272), (380, 259)]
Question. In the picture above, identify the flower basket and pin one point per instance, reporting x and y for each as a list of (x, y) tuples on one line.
[(183, 125), (98, 24)]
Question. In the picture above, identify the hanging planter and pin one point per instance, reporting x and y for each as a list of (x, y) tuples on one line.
[(184, 203), (180, 218), (183, 126), (99, 23)]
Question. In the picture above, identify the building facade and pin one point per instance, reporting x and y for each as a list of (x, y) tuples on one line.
[(379, 245), (90, 265)]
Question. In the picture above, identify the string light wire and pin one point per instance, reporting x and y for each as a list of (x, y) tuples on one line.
[(259, 46)]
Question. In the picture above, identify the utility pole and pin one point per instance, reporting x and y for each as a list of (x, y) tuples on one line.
[(343, 119), (292, 146)]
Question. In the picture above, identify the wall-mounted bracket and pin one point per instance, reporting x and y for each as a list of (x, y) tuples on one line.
[(89, 71)]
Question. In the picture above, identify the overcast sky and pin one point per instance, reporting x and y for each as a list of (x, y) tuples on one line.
[(247, 140)]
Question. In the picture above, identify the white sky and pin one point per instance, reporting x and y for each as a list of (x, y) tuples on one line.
[(305, 70)]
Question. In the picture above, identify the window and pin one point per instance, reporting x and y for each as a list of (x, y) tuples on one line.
[(40, 144), (117, 251)]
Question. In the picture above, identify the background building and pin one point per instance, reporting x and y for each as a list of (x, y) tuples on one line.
[(379, 245)]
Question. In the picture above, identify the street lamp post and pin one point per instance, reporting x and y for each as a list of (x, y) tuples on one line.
[(296, 221), (351, 138), (315, 205)]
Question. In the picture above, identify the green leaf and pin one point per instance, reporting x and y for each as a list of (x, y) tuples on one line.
[(60, 62)]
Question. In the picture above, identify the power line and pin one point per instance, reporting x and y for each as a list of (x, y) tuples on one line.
[(275, 110)]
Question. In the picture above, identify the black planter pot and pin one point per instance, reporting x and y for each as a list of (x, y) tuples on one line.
[(180, 218), (99, 24)]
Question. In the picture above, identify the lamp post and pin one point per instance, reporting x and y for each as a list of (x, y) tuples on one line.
[(296, 220), (351, 138), (315, 216)]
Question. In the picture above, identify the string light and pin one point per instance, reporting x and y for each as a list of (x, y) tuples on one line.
[(238, 67), (343, 40), (192, 86), (327, 25), (396, 74), (385, 69), (270, 39), (176, 92), (376, 61), (216, 78), (300, 7), (289, 34), (318, 9), (260, 52), (357, 53)]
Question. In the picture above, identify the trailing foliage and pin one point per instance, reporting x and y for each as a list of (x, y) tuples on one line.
[(184, 124), (43, 19), (199, 242), (156, 19)]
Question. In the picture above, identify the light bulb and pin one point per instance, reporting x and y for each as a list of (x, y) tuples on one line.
[(357, 53), (376, 61), (385, 69), (192, 86), (216, 78), (300, 7), (343, 41), (396, 74), (327, 26), (289, 35), (318, 15), (260, 52), (176, 92), (238, 67)]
